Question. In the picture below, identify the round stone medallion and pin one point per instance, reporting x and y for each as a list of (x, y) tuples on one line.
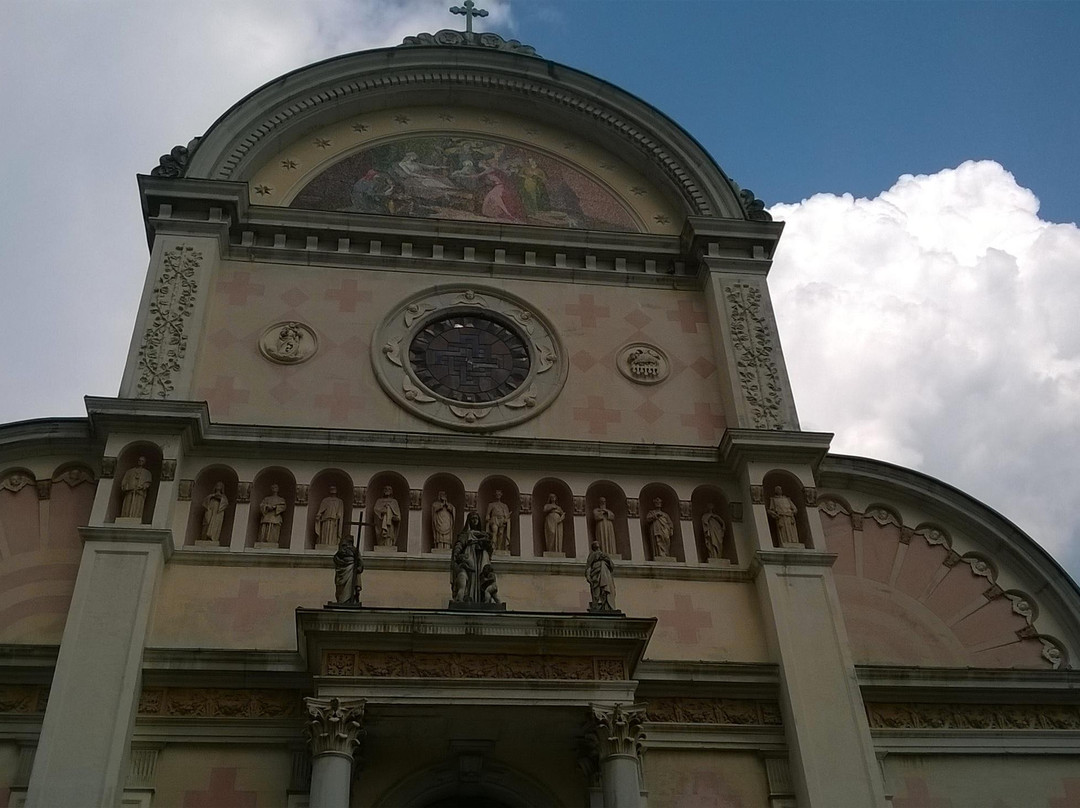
[(288, 343), (469, 358), (643, 363)]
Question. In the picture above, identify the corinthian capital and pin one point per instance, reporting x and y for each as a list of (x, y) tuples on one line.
[(333, 725), (617, 730)]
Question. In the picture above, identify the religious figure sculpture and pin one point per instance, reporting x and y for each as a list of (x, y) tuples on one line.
[(329, 517), (347, 568), (553, 525), (600, 573), (661, 529), (214, 506), (272, 511), (713, 530), (498, 523), (604, 526), (783, 511), (442, 522), (388, 517), (472, 578), (135, 484)]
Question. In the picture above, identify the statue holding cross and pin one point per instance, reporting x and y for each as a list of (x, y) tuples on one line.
[(469, 11), (348, 565)]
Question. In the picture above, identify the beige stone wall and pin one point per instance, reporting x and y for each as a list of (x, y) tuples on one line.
[(337, 387), (975, 781), (248, 776), (684, 778)]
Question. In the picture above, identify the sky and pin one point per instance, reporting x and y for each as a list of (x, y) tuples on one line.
[(922, 154)]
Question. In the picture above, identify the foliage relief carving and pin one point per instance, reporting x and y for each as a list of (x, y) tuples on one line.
[(164, 343)]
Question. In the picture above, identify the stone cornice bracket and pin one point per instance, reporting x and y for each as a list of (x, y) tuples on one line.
[(617, 731), (334, 725)]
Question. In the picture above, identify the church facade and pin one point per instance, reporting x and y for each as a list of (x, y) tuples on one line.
[(455, 462)]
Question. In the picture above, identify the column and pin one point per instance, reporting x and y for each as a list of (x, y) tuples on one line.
[(334, 732), (82, 755), (832, 755), (618, 737)]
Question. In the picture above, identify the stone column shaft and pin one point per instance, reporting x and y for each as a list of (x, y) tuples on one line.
[(617, 736), (334, 732)]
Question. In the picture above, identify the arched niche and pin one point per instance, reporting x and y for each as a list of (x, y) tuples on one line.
[(703, 497), (260, 489), (399, 490), (669, 504), (19, 520), (792, 488), (615, 501), (71, 499), (127, 460), (486, 495), (455, 495), (200, 492), (318, 491), (542, 491)]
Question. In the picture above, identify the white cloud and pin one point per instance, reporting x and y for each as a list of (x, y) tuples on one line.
[(935, 326)]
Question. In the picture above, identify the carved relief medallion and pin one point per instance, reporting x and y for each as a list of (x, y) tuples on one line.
[(288, 343), (643, 363), (475, 359)]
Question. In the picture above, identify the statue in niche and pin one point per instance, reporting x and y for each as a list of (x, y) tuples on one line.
[(329, 517), (553, 525), (660, 528), (604, 526), (498, 523), (442, 522), (213, 518), (387, 513), (713, 530), (600, 573), (271, 517), (347, 568), (135, 484), (472, 578), (784, 511)]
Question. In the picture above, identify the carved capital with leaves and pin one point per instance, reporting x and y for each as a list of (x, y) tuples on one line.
[(334, 725), (616, 731)]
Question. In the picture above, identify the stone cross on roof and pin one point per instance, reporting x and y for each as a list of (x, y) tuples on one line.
[(469, 11)]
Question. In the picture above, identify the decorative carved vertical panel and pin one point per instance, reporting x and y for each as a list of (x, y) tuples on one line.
[(164, 342), (754, 344)]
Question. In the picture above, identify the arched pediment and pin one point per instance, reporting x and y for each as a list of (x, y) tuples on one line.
[(566, 120)]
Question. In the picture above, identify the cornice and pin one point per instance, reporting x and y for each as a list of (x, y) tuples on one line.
[(880, 683), (47, 435), (741, 446)]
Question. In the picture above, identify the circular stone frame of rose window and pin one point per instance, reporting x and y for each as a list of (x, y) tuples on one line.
[(393, 368)]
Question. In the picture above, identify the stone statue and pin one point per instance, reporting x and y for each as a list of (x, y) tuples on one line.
[(604, 526), (661, 529), (347, 568), (600, 574), (442, 522), (713, 530), (498, 523), (272, 510), (553, 525), (388, 515), (135, 484), (783, 511), (472, 578), (329, 517), (213, 517)]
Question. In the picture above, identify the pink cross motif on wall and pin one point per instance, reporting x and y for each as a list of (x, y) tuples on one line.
[(221, 793), (1072, 794), (917, 795), (247, 608), (596, 415), (339, 402), (587, 310), (705, 421), (688, 316), (239, 287), (223, 395), (684, 620), (348, 295)]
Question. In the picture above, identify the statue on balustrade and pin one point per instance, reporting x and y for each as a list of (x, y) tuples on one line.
[(135, 484), (604, 526), (271, 517), (784, 513), (348, 564), (713, 530), (442, 522), (600, 573), (387, 513), (329, 517), (498, 523), (553, 525), (214, 506), (661, 529), (472, 578)]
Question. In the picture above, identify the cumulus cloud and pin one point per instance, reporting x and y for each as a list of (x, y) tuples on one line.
[(935, 326)]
